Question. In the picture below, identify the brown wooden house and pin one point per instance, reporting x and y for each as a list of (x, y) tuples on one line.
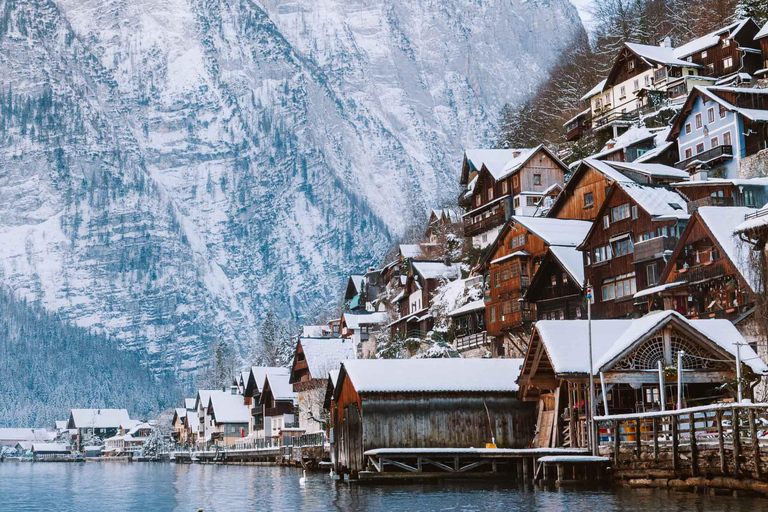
[(723, 192), (509, 265), (252, 393), (517, 187), (762, 41), (626, 356), (710, 274), (278, 402), (585, 192), (557, 288), (637, 226)]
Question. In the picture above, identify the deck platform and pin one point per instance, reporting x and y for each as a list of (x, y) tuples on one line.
[(573, 469)]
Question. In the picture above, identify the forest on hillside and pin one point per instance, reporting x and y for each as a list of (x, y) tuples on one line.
[(48, 366), (541, 118)]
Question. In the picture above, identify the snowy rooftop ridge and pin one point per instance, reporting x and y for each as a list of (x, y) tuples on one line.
[(260, 373), (229, 408), (553, 231), (433, 375), (572, 260), (355, 320), (324, 355), (98, 418), (437, 270), (721, 222), (708, 40), (659, 54), (493, 159), (280, 386)]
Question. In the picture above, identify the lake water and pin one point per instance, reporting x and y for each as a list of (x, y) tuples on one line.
[(156, 486)]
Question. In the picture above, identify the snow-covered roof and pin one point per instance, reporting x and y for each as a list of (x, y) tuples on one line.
[(26, 434), (516, 162), (658, 288), (99, 418), (180, 412), (447, 213), (333, 377), (493, 159), (260, 373), (355, 320), (653, 170), (229, 408), (510, 256), (358, 281), (555, 231), (325, 355), (204, 396), (475, 305), (633, 135), (585, 112), (721, 220), (410, 250), (595, 90), (61, 425), (709, 40), (433, 375), (313, 331), (281, 388), (763, 32), (606, 170), (50, 448), (758, 115), (566, 341), (654, 54), (661, 146), (571, 259), (760, 220), (189, 403), (657, 201), (437, 270)]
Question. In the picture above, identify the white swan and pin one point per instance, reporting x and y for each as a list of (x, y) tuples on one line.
[(303, 479)]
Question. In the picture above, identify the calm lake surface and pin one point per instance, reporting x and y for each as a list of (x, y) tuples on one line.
[(155, 486)]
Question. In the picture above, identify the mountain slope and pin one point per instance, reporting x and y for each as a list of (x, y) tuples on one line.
[(170, 169)]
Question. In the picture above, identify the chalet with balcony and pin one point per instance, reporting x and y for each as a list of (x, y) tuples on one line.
[(229, 418), (627, 355), (518, 187), (624, 252), (557, 288), (509, 265), (279, 403), (413, 303), (358, 326), (711, 273), (578, 125), (441, 223), (585, 192), (312, 362), (252, 396), (723, 192), (719, 129), (470, 337)]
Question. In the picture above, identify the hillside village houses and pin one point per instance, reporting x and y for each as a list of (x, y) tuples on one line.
[(647, 222)]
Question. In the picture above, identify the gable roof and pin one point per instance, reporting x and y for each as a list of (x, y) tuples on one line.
[(711, 92), (98, 418), (595, 90), (410, 250), (711, 39), (203, 397), (257, 375), (229, 408), (324, 355), (565, 232), (493, 160), (431, 375), (355, 320), (189, 403), (572, 260), (565, 341), (651, 170), (763, 32), (721, 221), (280, 387), (515, 164), (437, 270), (654, 54), (27, 434)]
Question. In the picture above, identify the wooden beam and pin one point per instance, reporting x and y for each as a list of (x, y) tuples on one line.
[(721, 442), (675, 443), (536, 360), (694, 446), (736, 440), (755, 444)]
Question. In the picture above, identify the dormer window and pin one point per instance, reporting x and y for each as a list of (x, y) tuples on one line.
[(631, 65), (726, 42)]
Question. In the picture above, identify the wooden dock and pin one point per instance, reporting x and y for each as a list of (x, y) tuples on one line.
[(416, 464)]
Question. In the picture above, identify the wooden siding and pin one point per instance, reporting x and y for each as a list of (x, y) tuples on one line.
[(573, 207), (541, 163), (622, 72), (716, 54), (564, 296)]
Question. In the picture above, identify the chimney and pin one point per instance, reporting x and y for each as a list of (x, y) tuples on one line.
[(701, 173), (233, 389), (665, 43)]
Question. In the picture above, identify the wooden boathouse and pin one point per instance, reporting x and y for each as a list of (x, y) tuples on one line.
[(425, 404)]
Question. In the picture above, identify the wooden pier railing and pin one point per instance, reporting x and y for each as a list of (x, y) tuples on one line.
[(725, 440)]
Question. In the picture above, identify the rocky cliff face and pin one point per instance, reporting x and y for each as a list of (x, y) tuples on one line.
[(169, 169)]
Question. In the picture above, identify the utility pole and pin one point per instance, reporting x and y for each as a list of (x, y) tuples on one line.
[(738, 370), (680, 380), (592, 435)]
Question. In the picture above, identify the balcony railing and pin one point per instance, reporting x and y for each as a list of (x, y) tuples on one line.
[(486, 223), (653, 248), (710, 156), (470, 341), (709, 201), (614, 117), (700, 273)]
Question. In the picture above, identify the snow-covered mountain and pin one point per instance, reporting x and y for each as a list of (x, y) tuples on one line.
[(169, 169)]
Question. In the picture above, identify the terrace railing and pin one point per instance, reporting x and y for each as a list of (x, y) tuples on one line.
[(723, 152)]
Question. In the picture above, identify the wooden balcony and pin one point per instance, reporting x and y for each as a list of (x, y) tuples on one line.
[(609, 117), (710, 157), (653, 248), (470, 341), (485, 224), (700, 273)]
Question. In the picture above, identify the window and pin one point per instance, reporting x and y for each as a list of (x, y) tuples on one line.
[(647, 80), (492, 314), (478, 200), (727, 138), (711, 68), (517, 202), (588, 199), (704, 54), (537, 179), (622, 247), (620, 212), (517, 241), (578, 312), (602, 253), (688, 153), (726, 43), (698, 121), (622, 92), (609, 292), (631, 65), (490, 194), (554, 280), (516, 181), (506, 309), (496, 281), (597, 104), (714, 142), (505, 275), (687, 127), (645, 236), (560, 314), (749, 198), (621, 288), (635, 85), (651, 275), (728, 62), (607, 99), (565, 278), (634, 212), (606, 222), (711, 115), (504, 187), (532, 201), (722, 111), (699, 148)]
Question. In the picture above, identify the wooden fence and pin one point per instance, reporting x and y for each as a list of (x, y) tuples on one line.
[(717, 440)]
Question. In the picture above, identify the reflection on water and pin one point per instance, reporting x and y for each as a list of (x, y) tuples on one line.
[(148, 487)]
